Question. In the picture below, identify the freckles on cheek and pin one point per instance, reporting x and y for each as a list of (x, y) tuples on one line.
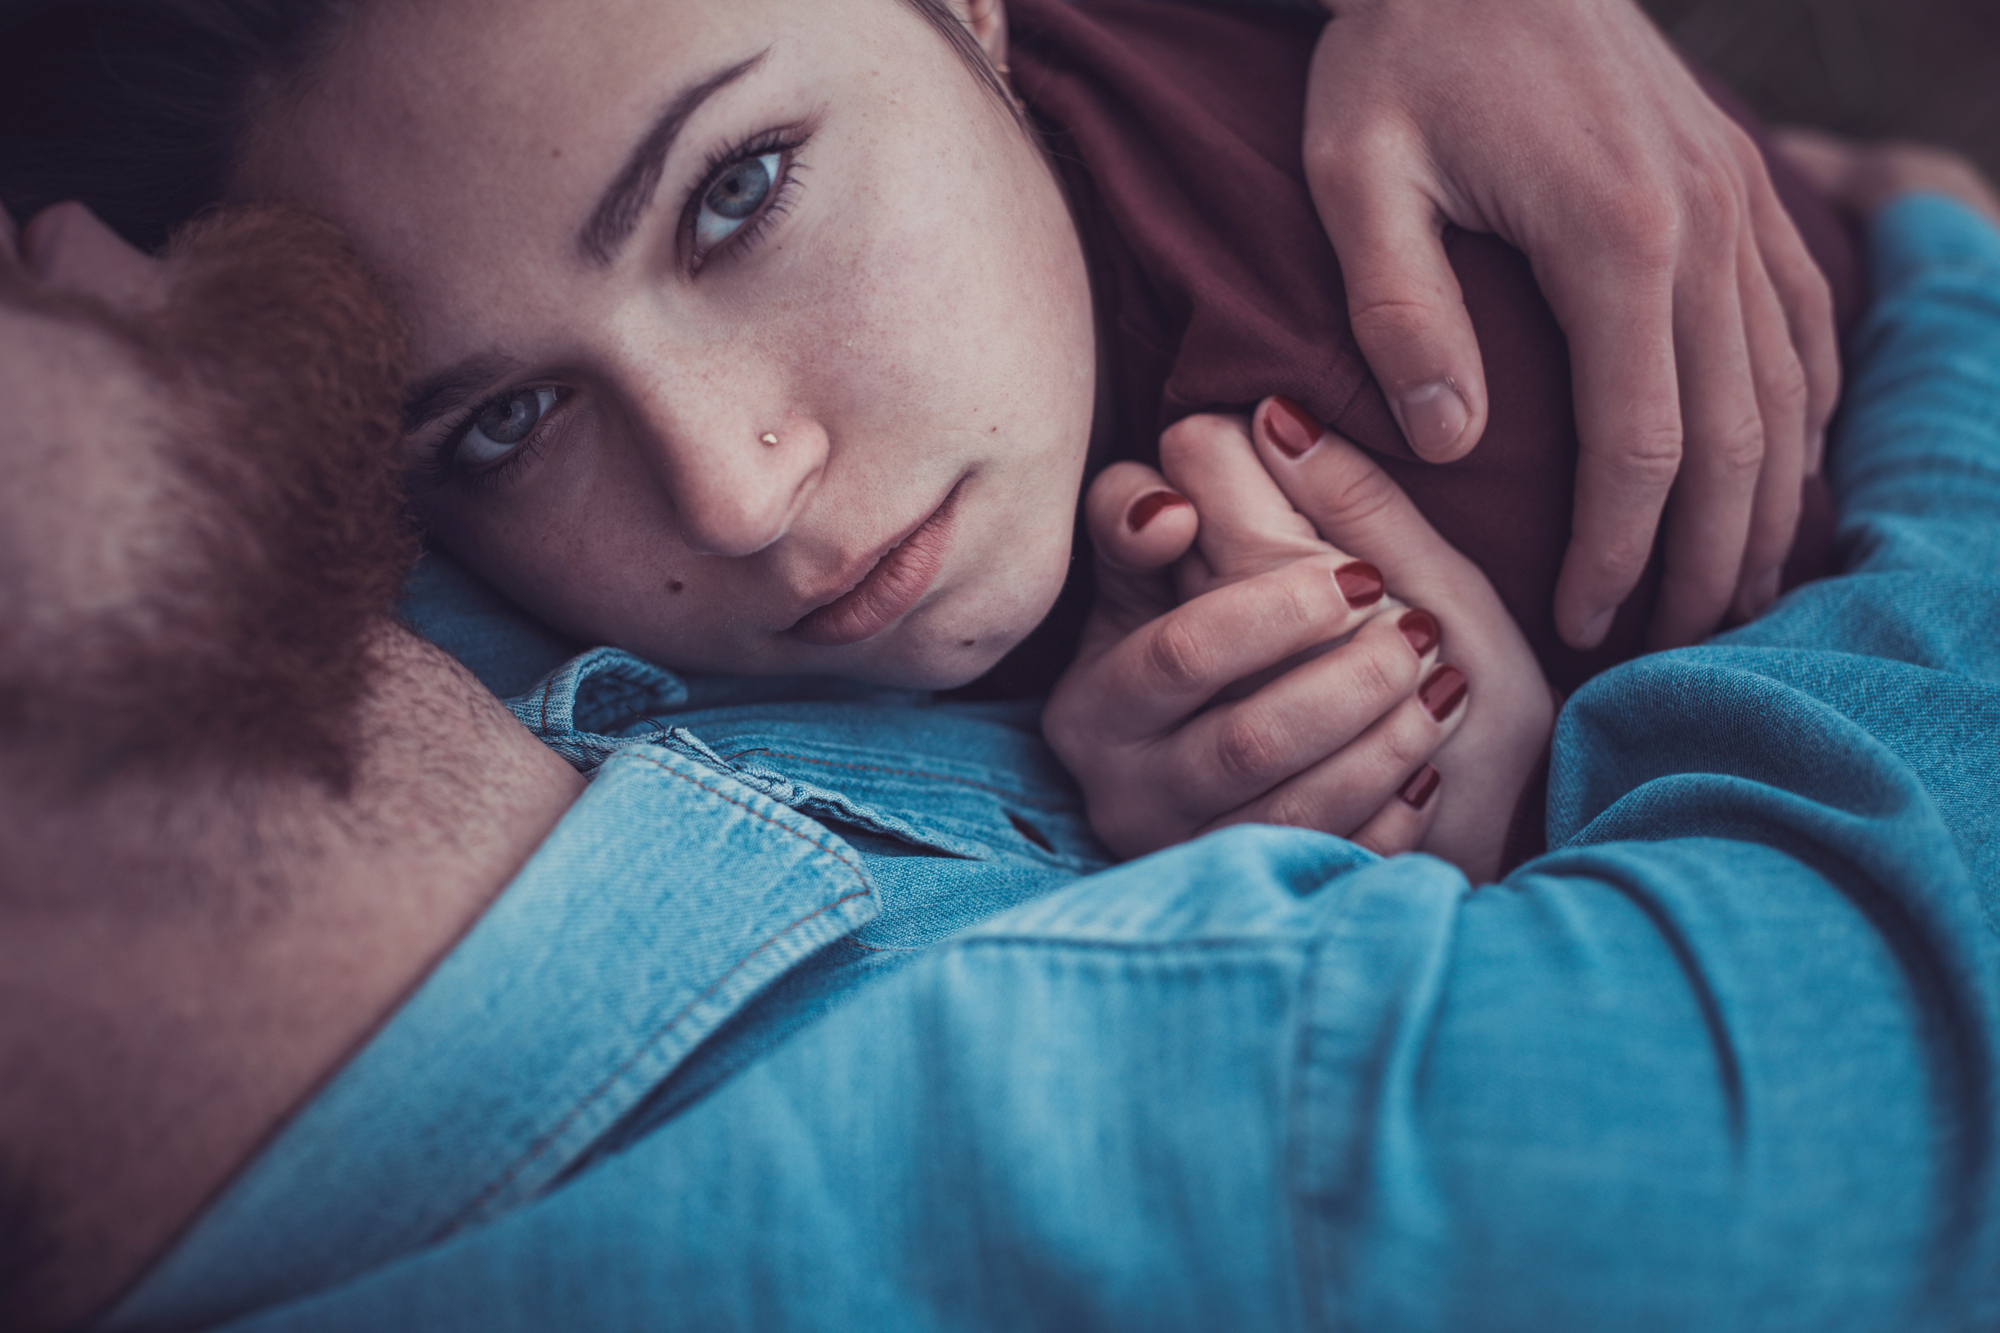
[(902, 294)]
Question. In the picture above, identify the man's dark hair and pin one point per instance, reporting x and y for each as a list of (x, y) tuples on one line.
[(27, 1243), (139, 107)]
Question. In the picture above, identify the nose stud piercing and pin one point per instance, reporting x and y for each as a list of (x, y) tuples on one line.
[(768, 437)]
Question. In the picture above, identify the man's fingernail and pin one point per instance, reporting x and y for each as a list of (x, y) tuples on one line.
[(1293, 429), (1434, 416), (1595, 628), (1443, 692), (1421, 629), (1417, 792), (1360, 583), (1150, 506)]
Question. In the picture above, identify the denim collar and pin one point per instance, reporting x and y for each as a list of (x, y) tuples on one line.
[(589, 979)]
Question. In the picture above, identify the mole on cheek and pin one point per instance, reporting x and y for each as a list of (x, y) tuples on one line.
[(968, 643), (675, 585)]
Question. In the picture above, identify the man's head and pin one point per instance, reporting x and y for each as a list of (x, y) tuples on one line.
[(202, 522), (241, 810), (200, 538)]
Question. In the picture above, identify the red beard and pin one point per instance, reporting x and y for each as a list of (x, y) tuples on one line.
[(246, 647)]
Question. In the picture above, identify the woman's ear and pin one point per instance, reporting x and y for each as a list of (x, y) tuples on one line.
[(988, 21)]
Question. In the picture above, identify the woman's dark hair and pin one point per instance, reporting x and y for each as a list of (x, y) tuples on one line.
[(138, 107)]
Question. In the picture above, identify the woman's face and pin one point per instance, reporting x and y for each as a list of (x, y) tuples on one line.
[(752, 335)]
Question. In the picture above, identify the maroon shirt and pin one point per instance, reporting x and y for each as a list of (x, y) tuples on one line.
[(1177, 132)]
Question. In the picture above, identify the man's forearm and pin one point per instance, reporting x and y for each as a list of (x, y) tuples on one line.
[(1918, 473), (1916, 470)]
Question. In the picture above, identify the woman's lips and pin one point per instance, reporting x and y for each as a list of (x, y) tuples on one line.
[(888, 590)]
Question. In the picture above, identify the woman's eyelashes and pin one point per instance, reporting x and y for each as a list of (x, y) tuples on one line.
[(743, 192), (497, 437), (502, 425)]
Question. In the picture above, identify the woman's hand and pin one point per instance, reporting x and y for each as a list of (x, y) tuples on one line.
[(1487, 763), (1345, 734), (1700, 331), (1157, 719)]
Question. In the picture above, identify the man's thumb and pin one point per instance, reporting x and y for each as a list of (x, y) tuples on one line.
[(1409, 316)]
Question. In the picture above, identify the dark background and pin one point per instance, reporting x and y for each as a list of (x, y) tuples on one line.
[(1923, 69)]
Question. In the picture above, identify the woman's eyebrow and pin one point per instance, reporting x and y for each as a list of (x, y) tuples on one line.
[(619, 211), (452, 388)]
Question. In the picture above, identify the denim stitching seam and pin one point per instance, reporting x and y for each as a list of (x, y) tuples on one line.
[(541, 1144)]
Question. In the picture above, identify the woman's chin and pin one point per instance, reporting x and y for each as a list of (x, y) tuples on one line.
[(930, 664)]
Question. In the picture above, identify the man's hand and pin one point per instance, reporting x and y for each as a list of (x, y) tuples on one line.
[(1700, 330), (1178, 717)]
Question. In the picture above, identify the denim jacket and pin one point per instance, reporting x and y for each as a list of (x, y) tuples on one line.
[(821, 1009)]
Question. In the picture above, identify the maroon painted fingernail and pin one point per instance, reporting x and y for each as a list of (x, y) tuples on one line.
[(1360, 583), (1292, 428), (1443, 692), (1417, 792), (1421, 629), (1150, 506)]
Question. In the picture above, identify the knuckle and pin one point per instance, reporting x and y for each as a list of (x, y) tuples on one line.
[(1408, 748), (1249, 751), (1736, 453), (1789, 389), (1714, 204), (1649, 458), (1295, 807), (1179, 657), (1646, 230), (1376, 678), (1195, 437), (1306, 601), (1387, 321), (1350, 495)]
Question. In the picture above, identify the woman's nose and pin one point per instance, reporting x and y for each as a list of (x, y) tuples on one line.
[(738, 479)]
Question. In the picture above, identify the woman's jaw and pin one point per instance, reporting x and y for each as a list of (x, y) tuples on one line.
[(811, 394)]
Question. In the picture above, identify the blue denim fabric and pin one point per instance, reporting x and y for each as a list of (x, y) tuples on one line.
[(1725, 1058)]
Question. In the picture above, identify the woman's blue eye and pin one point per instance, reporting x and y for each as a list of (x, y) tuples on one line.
[(502, 425), (739, 193)]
